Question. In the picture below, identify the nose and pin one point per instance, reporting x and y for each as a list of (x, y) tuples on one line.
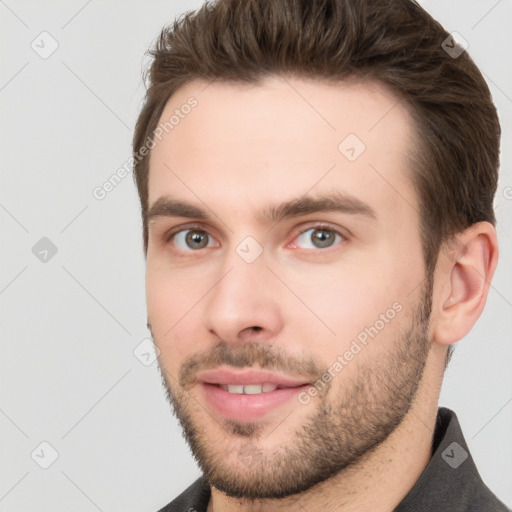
[(244, 305)]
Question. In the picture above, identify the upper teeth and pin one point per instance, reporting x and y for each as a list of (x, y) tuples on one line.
[(251, 389)]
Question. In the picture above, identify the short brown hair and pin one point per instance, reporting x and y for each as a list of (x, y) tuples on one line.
[(393, 42)]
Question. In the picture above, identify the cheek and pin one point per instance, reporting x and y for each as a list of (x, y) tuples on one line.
[(168, 305), (160, 299), (341, 303), (169, 292)]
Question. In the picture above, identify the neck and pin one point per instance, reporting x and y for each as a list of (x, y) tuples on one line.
[(381, 479)]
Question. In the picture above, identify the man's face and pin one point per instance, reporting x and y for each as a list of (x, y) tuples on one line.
[(284, 250)]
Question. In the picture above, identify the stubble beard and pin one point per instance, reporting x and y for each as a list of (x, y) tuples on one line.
[(341, 430)]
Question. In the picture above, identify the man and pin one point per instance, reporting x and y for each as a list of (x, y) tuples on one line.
[(316, 181)]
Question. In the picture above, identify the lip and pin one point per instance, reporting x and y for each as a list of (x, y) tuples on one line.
[(248, 376), (242, 407)]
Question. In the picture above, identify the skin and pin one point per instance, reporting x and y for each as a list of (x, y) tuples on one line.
[(240, 150)]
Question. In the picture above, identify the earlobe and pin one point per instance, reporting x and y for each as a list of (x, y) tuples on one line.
[(465, 272)]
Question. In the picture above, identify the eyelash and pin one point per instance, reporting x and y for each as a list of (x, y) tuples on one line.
[(168, 237), (188, 227)]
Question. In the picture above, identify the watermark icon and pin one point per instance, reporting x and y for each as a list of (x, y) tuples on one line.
[(507, 193), (351, 147), (44, 455), (455, 45), (356, 346), (146, 352), (101, 191), (44, 250), (45, 45), (249, 249), (454, 455), (249, 455)]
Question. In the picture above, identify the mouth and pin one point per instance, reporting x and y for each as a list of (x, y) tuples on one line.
[(250, 389), (247, 395)]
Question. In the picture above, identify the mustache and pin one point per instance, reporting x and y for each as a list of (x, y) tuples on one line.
[(249, 354)]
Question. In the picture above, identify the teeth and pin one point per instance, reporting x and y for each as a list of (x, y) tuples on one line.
[(251, 389), (234, 388)]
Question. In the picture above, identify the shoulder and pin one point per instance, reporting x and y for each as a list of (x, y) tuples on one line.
[(193, 499), (451, 481)]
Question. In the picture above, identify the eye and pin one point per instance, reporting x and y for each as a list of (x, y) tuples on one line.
[(317, 238), (192, 240)]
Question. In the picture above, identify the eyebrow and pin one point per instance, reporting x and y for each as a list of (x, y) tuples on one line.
[(332, 202)]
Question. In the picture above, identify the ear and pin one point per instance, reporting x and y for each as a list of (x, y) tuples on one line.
[(464, 272)]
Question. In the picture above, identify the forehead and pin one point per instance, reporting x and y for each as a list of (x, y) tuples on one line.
[(283, 138)]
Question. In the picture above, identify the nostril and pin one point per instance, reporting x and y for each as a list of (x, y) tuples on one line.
[(256, 328)]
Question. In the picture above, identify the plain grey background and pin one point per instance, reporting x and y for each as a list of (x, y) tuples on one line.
[(73, 321)]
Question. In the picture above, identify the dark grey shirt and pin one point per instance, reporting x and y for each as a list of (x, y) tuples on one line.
[(450, 482)]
